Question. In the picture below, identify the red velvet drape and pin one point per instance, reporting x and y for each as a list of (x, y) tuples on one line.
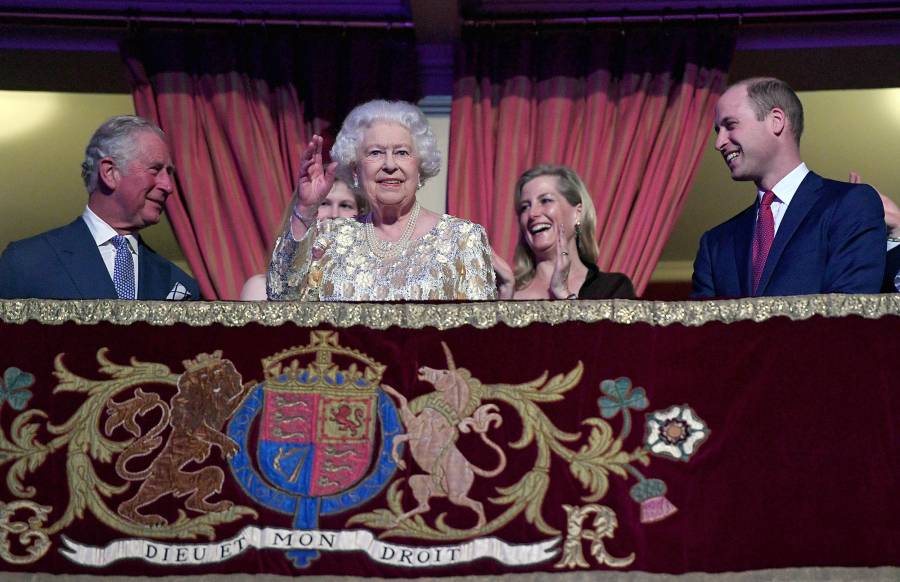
[(238, 105), (629, 111)]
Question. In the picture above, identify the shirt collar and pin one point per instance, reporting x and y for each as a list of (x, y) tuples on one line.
[(785, 189), (103, 232)]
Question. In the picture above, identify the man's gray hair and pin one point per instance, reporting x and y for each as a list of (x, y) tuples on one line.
[(406, 114), (114, 139)]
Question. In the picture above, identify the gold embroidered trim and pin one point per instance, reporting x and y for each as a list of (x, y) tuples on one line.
[(481, 314)]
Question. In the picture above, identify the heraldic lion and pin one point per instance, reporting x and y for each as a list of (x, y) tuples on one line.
[(209, 393)]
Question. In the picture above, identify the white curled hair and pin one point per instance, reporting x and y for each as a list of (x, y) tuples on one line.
[(114, 139), (349, 138)]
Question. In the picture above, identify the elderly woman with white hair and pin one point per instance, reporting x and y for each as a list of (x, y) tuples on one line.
[(399, 250)]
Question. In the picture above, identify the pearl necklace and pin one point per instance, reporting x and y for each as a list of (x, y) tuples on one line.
[(384, 249)]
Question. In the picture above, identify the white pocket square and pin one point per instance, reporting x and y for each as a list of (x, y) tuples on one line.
[(178, 293)]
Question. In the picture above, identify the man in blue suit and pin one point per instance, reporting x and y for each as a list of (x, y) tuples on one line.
[(128, 173), (804, 234)]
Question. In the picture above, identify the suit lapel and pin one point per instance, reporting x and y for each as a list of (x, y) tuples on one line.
[(743, 240), (149, 276), (81, 259), (802, 202)]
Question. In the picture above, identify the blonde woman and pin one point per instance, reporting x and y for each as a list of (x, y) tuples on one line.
[(557, 251)]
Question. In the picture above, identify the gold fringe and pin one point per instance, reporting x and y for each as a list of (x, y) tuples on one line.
[(482, 314)]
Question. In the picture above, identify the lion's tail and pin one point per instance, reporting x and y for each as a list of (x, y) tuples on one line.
[(141, 447)]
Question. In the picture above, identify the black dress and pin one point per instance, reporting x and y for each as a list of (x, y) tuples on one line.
[(891, 271), (600, 285)]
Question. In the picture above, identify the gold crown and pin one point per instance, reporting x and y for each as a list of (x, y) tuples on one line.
[(284, 370), (202, 361)]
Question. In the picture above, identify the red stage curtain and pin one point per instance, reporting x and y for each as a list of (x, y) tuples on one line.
[(238, 105), (629, 111)]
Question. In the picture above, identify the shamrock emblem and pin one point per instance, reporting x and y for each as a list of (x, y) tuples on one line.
[(14, 388), (619, 396)]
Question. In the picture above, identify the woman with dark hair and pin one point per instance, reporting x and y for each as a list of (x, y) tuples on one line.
[(557, 222)]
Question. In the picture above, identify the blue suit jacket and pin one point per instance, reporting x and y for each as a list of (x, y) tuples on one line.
[(831, 240), (65, 263)]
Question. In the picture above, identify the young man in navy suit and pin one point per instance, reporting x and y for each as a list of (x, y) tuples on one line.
[(128, 173), (804, 234)]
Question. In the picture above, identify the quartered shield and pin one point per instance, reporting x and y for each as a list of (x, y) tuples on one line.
[(317, 431)]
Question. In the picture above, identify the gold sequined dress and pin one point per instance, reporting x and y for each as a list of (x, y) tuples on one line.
[(334, 262)]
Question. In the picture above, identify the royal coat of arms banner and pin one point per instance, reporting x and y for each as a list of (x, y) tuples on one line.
[(439, 440)]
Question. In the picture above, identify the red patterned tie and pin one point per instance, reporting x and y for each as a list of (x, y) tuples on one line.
[(762, 238)]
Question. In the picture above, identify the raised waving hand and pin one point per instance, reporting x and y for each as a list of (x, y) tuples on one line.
[(313, 185)]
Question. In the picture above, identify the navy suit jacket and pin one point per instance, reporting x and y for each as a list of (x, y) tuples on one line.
[(831, 240), (65, 263)]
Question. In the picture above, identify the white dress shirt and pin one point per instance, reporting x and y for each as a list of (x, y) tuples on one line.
[(784, 192), (103, 234)]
